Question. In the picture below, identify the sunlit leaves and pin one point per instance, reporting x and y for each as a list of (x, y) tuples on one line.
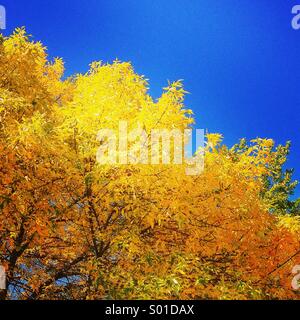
[(71, 228)]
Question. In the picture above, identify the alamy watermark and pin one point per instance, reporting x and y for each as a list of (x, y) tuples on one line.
[(2, 18), (296, 279), (296, 18), (160, 146), (2, 278)]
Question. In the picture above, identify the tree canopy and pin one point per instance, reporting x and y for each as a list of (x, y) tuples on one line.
[(71, 228)]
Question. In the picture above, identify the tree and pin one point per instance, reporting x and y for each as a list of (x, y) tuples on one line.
[(71, 228)]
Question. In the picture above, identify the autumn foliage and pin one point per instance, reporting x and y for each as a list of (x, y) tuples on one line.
[(71, 228)]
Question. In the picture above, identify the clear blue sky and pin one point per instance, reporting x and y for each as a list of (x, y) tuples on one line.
[(240, 59)]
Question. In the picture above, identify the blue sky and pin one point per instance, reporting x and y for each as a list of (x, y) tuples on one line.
[(240, 59)]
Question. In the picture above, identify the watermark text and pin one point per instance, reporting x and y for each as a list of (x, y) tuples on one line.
[(2, 18), (296, 18), (160, 146)]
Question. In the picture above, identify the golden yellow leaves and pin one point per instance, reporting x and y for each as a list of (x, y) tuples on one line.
[(25, 72), (214, 140), (291, 223)]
